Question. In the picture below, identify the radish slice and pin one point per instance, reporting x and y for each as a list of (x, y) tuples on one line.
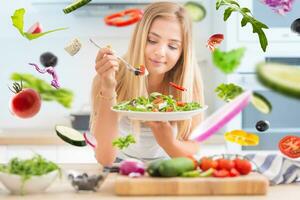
[(221, 117), (35, 28), (88, 141)]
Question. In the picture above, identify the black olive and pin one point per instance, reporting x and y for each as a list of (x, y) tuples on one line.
[(295, 26), (48, 59), (262, 125)]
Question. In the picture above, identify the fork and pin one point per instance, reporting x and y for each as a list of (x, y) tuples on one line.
[(129, 67)]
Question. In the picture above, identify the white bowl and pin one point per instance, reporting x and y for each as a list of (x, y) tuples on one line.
[(35, 184)]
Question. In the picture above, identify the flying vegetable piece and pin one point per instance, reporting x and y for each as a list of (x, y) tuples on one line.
[(178, 87), (228, 61), (229, 91), (26, 102), (262, 125), (62, 95), (290, 146), (242, 138), (48, 59), (295, 26), (257, 26), (49, 70), (35, 28), (18, 22), (124, 142), (196, 10), (214, 40), (279, 6), (75, 5), (88, 141), (124, 18)]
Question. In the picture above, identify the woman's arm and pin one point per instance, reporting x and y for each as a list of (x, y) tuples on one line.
[(104, 124)]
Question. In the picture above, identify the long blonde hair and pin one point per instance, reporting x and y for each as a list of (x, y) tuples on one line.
[(185, 73)]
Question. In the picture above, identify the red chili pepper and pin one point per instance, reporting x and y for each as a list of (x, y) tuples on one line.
[(121, 18), (177, 86)]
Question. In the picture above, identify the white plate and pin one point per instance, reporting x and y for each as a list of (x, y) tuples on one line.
[(160, 116)]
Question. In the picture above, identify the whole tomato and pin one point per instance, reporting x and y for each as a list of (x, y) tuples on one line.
[(225, 164), (243, 166), (26, 102), (207, 163)]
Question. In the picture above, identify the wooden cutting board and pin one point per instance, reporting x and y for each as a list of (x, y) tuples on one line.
[(251, 184)]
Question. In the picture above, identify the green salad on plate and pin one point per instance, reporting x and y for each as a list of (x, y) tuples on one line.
[(157, 102)]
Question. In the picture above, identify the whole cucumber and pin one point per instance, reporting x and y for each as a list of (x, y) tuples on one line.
[(153, 167), (176, 166)]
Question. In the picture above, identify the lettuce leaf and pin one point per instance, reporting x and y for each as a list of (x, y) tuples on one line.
[(18, 22), (47, 92), (228, 62), (228, 92)]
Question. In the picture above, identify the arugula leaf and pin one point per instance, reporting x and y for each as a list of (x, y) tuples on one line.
[(18, 22), (228, 61), (36, 166), (257, 26), (229, 91), (124, 142), (47, 92)]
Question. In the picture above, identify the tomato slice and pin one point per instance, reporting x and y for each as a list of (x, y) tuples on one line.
[(124, 18), (290, 146)]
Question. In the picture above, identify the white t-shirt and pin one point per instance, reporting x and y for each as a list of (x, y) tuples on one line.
[(146, 148)]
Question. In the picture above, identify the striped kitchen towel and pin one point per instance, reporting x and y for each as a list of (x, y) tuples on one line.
[(278, 169)]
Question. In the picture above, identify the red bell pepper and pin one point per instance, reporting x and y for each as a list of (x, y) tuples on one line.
[(124, 18), (177, 86)]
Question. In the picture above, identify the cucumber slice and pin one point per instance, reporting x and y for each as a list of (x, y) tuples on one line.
[(196, 10), (70, 135), (75, 5), (261, 103), (280, 77)]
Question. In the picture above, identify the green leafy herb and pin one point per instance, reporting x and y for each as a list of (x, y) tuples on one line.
[(229, 91), (257, 26), (227, 62), (124, 142), (18, 22), (47, 92), (35, 166)]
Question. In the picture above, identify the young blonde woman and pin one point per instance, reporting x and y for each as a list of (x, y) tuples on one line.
[(162, 41)]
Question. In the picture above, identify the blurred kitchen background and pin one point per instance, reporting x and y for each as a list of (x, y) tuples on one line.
[(22, 137)]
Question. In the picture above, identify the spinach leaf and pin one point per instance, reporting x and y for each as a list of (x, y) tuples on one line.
[(229, 91)]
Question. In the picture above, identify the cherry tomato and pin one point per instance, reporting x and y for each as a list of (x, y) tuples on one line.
[(26, 102), (290, 146), (225, 164), (207, 163), (233, 172), (243, 166), (221, 173)]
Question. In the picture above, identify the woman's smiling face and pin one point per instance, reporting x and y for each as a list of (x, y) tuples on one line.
[(164, 45)]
